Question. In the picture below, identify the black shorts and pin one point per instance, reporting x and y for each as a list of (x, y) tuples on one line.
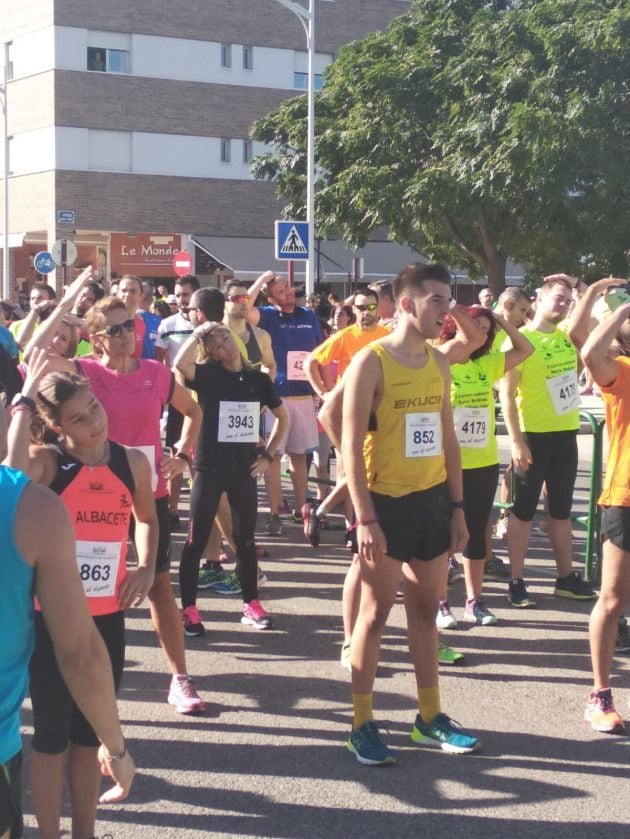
[(615, 527), (480, 487), (11, 796), (174, 424), (57, 720), (416, 526), (163, 560), (555, 462)]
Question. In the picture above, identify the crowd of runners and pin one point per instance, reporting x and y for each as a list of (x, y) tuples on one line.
[(114, 396)]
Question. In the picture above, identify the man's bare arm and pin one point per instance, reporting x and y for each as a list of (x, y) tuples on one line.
[(79, 648)]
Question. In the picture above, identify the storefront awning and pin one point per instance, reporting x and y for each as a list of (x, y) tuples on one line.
[(16, 240), (253, 256)]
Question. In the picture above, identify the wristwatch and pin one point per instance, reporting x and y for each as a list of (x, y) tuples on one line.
[(19, 399), (116, 758)]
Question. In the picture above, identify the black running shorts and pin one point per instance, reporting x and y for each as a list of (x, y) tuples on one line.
[(615, 526), (57, 720), (555, 461), (416, 526)]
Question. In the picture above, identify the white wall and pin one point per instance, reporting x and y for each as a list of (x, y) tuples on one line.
[(33, 53), (65, 48), (177, 155)]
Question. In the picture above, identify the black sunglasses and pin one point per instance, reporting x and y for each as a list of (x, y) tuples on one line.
[(115, 330), (365, 307)]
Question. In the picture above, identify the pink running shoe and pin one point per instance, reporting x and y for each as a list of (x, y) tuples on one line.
[(184, 696), (254, 615), (192, 622)]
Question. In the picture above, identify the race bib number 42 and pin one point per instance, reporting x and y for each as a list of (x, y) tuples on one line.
[(564, 392), (98, 567), (295, 366), (238, 422), (423, 435)]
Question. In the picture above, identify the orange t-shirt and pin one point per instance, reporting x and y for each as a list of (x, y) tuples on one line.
[(343, 345), (616, 396)]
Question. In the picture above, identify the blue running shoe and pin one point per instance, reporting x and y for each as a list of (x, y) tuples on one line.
[(231, 585), (444, 733), (366, 745), (212, 573)]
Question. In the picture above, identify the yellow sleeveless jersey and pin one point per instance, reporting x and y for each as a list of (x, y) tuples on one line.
[(403, 450)]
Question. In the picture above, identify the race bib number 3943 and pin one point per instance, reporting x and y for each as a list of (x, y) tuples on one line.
[(238, 422), (423, 434)]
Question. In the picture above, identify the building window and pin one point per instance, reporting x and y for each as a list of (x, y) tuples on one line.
[(300, 81), (226, 55), (9, 61), (248, 58), (104, 60), (248, 151), (226, 151)]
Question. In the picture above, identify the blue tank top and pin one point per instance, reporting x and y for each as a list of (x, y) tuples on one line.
[(16, 607)]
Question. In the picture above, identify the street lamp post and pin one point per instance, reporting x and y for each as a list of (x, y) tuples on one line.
[(307, 19), (6, 253)]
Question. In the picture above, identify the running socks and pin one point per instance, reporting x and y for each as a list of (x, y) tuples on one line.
[(429, 704), (362, 705)]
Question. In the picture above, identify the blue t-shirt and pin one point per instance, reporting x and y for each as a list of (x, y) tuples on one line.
[(293, 337), (8, 342), (16, 607)]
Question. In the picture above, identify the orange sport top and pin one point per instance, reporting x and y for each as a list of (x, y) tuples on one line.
[(99, 500)]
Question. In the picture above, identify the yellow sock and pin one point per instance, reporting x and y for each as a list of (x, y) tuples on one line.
[(429, 703), (362, 705)]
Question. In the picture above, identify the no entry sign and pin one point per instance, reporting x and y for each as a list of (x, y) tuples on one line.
[(182, 263)]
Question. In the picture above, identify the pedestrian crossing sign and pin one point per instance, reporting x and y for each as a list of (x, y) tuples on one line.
[(292, 240)]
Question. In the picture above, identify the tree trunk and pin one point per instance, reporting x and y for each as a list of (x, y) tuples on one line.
[(495, 269)]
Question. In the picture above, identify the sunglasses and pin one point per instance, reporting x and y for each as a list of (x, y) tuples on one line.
[(238, 298), (115, 330), (366, 307)]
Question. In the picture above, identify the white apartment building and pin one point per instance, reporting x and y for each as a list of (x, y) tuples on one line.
[(128, 130)]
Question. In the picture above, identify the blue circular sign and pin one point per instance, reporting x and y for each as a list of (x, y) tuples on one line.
[(44, 263)]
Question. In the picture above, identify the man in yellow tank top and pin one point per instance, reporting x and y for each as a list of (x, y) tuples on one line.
[(404, 476), (540, 402)]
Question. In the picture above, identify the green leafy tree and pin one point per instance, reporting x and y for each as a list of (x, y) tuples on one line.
[(473, 131)]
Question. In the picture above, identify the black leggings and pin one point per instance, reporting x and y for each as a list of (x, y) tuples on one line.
[(480, 486), (207, 489)]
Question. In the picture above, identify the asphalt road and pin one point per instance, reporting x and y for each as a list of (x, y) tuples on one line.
[(268, 757)]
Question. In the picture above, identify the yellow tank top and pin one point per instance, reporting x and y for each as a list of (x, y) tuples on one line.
[(403, 450)]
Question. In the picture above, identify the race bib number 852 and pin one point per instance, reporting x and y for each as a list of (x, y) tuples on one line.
[(423, 435)]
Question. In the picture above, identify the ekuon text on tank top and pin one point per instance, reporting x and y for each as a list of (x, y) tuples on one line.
[(403, 449)]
